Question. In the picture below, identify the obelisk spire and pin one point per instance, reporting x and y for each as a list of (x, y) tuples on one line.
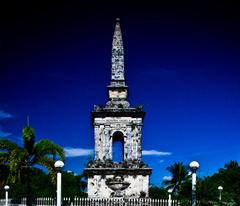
[(117, 78), (117, 90)]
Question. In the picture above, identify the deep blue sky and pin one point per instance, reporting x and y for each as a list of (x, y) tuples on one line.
[(181, 63)]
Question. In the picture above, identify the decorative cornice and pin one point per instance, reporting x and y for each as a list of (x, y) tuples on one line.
[(117, 171), (117, 113)]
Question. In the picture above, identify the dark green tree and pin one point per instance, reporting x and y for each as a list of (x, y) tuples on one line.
[(74, 185), (20, 160), (180, 174), (229, 178), (4, 171), (158, 193), (232, 164)]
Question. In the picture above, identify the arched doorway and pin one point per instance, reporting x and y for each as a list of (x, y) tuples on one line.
[(118, 147)]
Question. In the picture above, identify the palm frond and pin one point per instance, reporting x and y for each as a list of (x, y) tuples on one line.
[(8, 145), (179, 173), (17, 160), (46, 147), (4, 157), (48, 163)]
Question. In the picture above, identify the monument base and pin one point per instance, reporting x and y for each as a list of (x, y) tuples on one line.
[(118, 182)]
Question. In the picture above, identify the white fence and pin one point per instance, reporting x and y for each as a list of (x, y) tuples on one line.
[(93, 202)]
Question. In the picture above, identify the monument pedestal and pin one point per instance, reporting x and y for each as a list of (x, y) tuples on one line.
[(118, 182)]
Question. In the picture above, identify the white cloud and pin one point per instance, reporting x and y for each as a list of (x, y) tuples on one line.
[(4, 134), (77, 152), (155, 152), (168, 178), (4, 115), (161, 161)]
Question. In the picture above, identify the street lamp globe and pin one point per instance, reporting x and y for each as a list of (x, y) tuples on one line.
[(59, 164), (220, 188), (194, 165), (6, 187), (170, 191)]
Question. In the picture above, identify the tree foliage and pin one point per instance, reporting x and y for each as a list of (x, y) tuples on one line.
[(18, 161), (229, 178), (17, 158), (207, 187), (158, 193), (179, 173), (42, 185)]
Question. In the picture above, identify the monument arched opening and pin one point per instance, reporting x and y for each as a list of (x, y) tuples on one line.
[(117, 147)]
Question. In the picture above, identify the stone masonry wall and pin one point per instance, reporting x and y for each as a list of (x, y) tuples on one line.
[(97, 187), (131, 129)]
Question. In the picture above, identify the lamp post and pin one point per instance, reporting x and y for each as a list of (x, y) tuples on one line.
[(170, 197), (194, 165), (59, 165), (220, 188), (6, 187)]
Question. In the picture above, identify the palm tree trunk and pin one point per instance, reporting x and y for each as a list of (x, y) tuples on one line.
[(29, 189)]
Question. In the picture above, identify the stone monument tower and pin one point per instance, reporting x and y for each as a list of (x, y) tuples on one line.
[(118, 122)]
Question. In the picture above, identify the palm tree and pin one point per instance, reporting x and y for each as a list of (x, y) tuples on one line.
[(20, 159), (231, 165), (179, 173)]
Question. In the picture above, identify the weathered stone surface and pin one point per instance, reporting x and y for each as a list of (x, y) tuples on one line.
[(98, 187), (104, 129), (117, 54), (117, 120), (101, 170)]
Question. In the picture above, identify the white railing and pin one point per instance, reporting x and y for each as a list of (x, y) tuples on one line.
[(93, 202)]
